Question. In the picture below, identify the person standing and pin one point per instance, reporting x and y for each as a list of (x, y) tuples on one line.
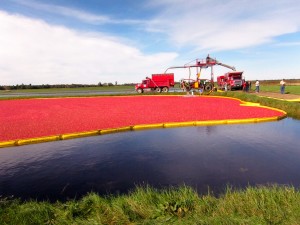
[(247, 86), (257, 86), (225, 86), (201, 89), (244, 85), (282, 86)]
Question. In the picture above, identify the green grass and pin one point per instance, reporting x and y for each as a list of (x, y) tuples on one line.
[(293, 89), (292, 108), (62, 90), (146, 205)]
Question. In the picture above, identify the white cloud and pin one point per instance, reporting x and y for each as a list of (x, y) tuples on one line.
[(225, 25), (33, 51), (205, 25), (77, 14)]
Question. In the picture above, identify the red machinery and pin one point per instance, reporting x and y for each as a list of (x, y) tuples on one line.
[(231, 80), (204, 63), (158, 82)]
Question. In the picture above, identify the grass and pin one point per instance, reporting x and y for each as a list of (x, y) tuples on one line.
[(62, 90), (292, 108), (81, 92), (146, 205), (292, 89), (292, 86)]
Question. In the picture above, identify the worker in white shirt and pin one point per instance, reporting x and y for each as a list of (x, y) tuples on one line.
[(282, 86), (257, 86)]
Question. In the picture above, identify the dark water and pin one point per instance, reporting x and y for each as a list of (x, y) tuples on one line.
[(202, 157)]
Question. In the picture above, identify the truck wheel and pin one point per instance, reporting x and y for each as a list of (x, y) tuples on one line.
[(139, 90), (208, 87), (165, 89), (158, 89)]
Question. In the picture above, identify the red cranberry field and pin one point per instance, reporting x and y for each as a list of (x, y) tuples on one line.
[(30, 118)]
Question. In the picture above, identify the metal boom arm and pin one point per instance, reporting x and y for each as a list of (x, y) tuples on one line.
[(208, 62), (222, 64)]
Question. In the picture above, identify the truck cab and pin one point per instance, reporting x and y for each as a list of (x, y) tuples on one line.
[(143, 86)]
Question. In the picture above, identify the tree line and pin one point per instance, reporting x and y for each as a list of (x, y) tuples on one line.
[(46, 86)]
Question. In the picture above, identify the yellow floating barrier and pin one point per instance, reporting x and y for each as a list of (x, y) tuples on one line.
[(7, 144), (115, 130), (210, 122), (179, 124), (108, 131), (37, 140), (239, 121), (279, 110), (148, 126), (294, 100), (122, 129), (250, 104), (267, 119), (80, 134)]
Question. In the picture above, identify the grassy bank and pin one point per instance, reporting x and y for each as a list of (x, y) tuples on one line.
[(261, 205), (292, 108), (290, 89)]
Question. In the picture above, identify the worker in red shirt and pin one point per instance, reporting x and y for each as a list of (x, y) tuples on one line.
[(244, 85)]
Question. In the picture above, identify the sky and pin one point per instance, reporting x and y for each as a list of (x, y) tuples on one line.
[(123, 41)]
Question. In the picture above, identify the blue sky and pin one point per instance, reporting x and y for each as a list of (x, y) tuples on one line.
[(91, 41)]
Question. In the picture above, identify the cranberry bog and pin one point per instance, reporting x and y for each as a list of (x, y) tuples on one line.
[(29, 121)]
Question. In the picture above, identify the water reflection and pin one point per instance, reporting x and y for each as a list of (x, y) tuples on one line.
[(198, 156)]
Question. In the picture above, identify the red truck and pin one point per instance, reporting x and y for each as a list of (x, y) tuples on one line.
[(233, 80), (158, 82)]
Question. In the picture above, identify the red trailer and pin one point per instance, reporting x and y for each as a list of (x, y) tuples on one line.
[(158, 83)]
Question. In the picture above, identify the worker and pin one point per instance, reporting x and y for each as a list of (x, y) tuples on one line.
[(247, 86), (182, 86), (225, 86), (257, 86), (201, 88), (282, 86), (244, 85), (207, 59)]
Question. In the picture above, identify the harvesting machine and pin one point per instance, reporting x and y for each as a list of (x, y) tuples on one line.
[(189, 83)]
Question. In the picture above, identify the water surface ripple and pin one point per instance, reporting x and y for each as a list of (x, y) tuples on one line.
[(202, 157)]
